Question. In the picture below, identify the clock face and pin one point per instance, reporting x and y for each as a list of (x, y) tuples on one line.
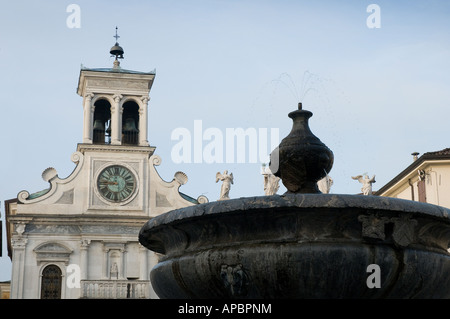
[(116, 183)]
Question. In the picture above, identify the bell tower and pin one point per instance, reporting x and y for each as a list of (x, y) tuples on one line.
[(115, 103), (115, 144)]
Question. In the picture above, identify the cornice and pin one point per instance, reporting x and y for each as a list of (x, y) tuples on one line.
[(82, 147), (147, 78), (79, 220)]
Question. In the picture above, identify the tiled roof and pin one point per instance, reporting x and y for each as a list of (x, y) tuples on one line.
[(445, 151)]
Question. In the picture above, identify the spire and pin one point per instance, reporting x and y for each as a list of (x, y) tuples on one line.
[(116, 51)]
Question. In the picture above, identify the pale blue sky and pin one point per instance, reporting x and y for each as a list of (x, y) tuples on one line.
[(377, 95)]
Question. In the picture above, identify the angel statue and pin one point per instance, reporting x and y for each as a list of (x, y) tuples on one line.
[(325, 184), (227, 180), (271, 182), (366, 182)]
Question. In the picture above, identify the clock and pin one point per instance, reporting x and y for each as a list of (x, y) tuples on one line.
[(116, 183)]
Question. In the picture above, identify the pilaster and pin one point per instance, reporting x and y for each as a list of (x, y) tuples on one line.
[(84, 246), (116, 120), (143, 119), (88, 118)]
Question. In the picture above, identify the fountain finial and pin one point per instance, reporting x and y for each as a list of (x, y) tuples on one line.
[(301, 159)]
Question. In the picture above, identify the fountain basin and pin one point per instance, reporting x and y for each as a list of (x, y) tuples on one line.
[(301, 246)]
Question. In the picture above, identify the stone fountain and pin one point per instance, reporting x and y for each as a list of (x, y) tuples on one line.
[(303, 244)]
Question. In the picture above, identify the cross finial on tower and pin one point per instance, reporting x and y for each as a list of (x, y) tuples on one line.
[(116, 51), (116, 36)]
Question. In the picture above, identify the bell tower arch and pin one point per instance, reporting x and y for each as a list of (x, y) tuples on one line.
[(130, 123), (102, 122)]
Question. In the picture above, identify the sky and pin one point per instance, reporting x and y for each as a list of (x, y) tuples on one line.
[(376, 79)]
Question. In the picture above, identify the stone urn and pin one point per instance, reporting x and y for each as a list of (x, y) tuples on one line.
[(301, 245), (301, 159)]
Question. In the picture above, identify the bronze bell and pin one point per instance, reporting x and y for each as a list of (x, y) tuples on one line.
[(117, 51), (99, 125), (130, 126)]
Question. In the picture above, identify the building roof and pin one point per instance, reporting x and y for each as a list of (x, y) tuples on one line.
[(38, 194), (445, 153), (188, 198), (116, 70), (429, 156)]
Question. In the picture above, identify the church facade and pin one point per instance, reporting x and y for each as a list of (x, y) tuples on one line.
[(79, 237)]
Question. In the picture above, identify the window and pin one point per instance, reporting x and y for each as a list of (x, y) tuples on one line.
[(51, 282), (422, 191)]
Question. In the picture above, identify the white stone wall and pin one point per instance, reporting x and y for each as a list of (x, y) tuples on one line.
[(437, 184)]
